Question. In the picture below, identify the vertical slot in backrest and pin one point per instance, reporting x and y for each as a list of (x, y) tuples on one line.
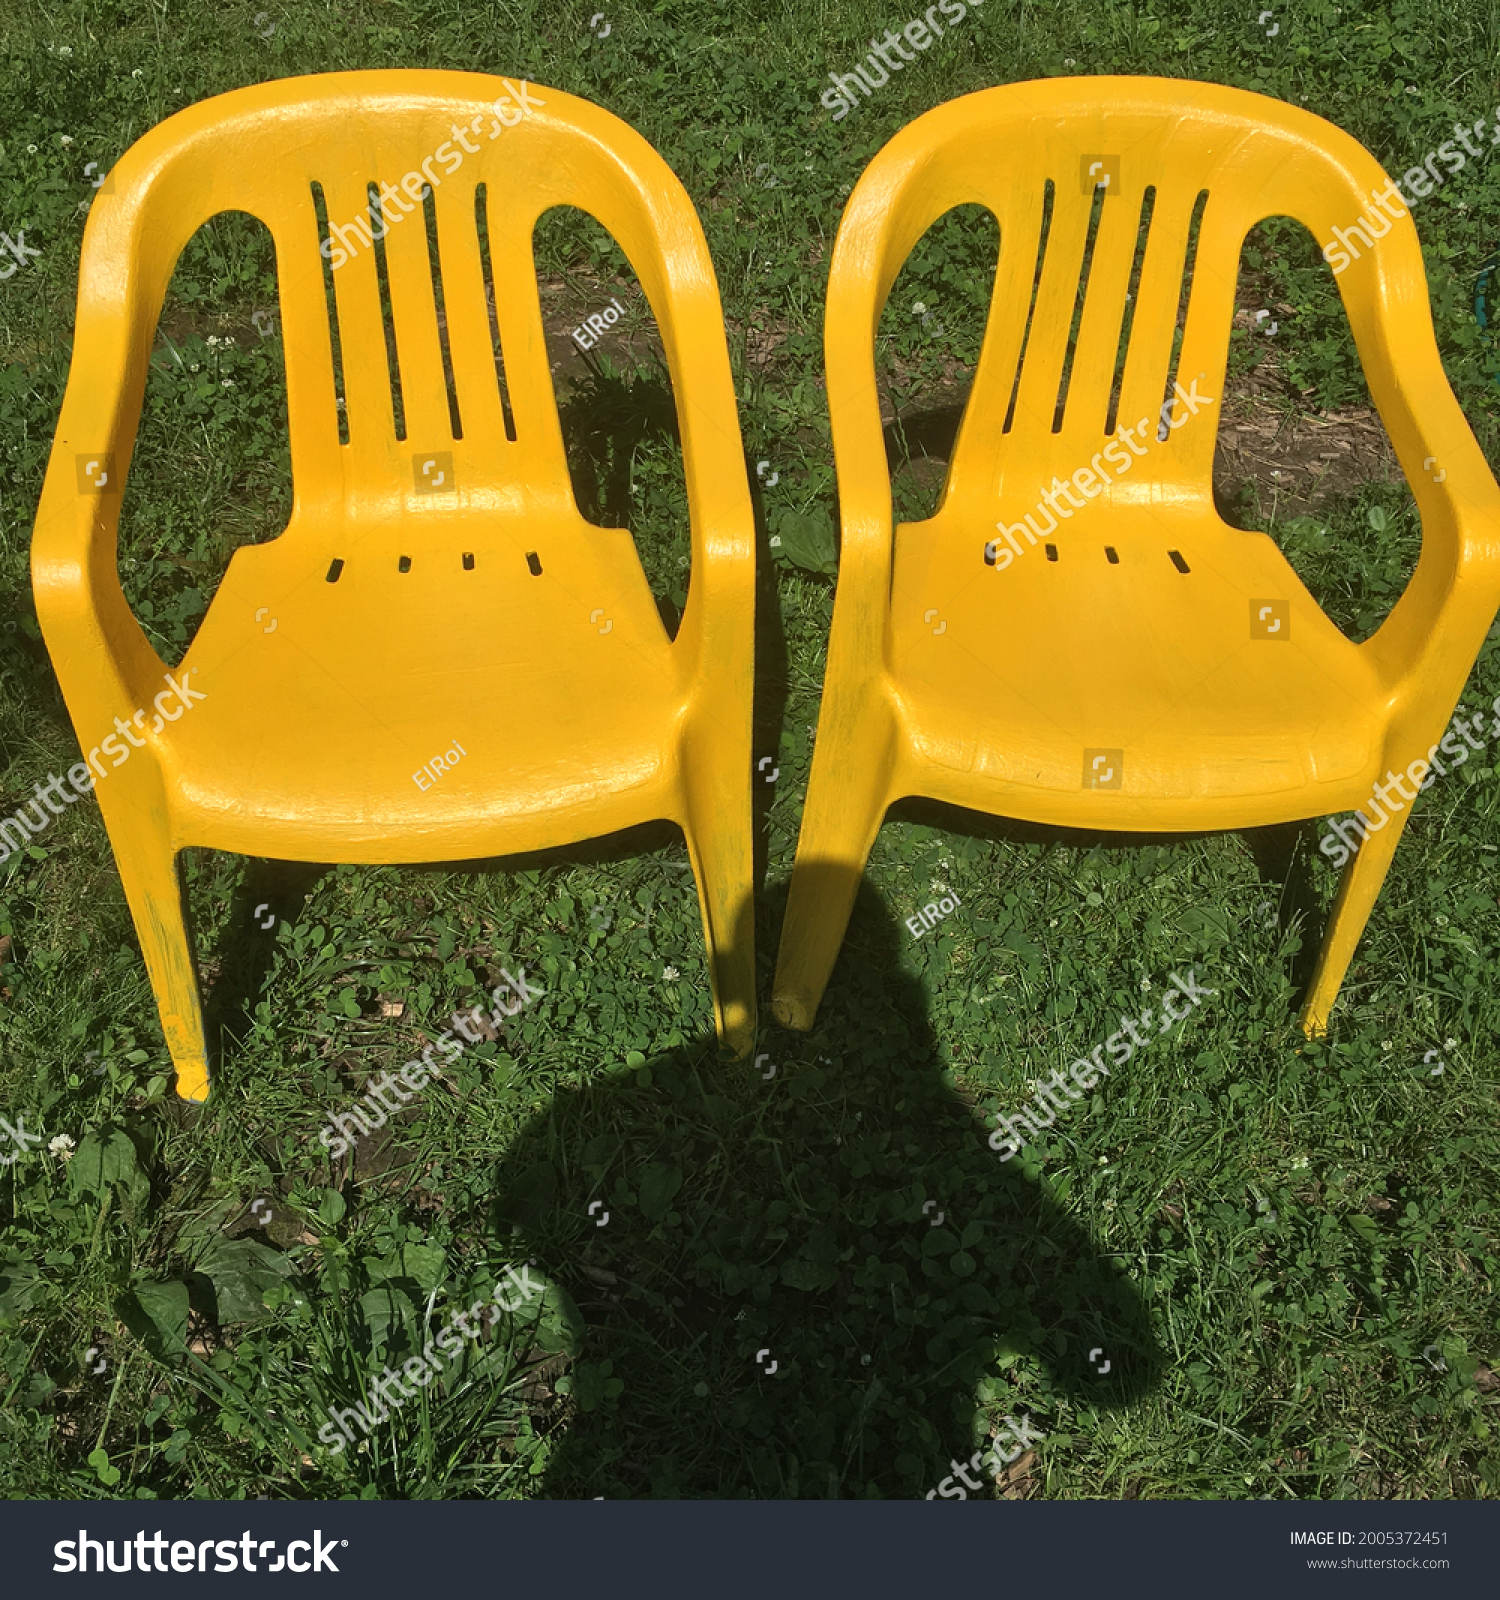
[(435, 267), (1096, 210), (1008, 271), (492, 304), (325, 255), (436, 327), (1157, 327), (1179, 321), (1127, 319), (380, 227)]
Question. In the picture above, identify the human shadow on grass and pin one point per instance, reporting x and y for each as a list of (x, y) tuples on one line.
[(800, 1268)]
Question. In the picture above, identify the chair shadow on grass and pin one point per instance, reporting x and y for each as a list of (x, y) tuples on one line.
[(1282, 853), (809, 1262)]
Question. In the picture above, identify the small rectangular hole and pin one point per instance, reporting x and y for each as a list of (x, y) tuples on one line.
[(335, 570), (1114, 559), (404, 564), (533, 563), (1178, 562), (468, 560), (1051, 550)]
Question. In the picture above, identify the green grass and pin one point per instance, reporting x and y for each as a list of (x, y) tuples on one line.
[(1286, 1251)]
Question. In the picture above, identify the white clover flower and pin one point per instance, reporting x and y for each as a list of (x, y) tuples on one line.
[(62, 1146), (212, 340), (1145, 985), (1301, 1164), (228, 383), (65, 139), (193, 367), (919, 310), (670, 974), (137, 73), (1450, 1044), (31, 149)]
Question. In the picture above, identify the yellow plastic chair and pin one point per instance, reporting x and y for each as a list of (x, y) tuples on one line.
[(439, 659), (1141, 665)]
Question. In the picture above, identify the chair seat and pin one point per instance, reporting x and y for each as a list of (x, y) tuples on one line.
[(1217, 721), (526, 680)]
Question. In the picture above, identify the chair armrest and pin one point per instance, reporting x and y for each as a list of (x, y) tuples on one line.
[(100, 652), (901, 194), (646, 208), (1456, 586), (718, 624)]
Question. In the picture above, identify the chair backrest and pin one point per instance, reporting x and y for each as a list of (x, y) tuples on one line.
[(1037, 407), (272, 150)]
